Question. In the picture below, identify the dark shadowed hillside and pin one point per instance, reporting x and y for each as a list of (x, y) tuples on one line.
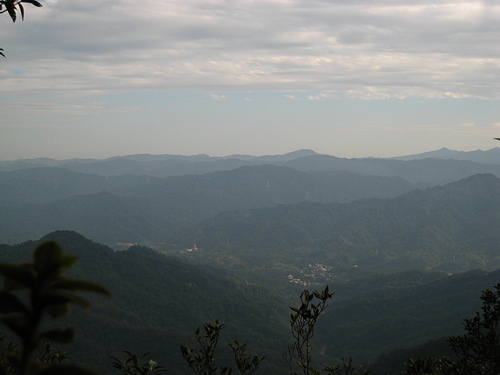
[(385, 319), (158, 302)]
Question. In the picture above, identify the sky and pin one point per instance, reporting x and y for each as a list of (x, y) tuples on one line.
[(101, 78)]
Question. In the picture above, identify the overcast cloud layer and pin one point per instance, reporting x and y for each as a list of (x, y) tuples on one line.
[(70, 50), (362, 49)]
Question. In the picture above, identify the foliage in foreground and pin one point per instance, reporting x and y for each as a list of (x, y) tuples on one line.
[(477, 351), (12, 6), (299, 358), (202, 360), (136, 365), (32, 291), (302, 322)]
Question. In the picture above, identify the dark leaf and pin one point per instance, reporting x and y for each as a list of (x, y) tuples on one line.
[(35, 3), (48, 255), (58, 297), (80, 285), (11, 8), (20, 273), (21, 8), (58, 311)]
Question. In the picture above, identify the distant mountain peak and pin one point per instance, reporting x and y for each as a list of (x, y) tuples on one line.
[(63, 234)]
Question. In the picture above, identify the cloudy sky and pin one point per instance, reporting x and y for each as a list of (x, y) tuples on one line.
[(98, 78)]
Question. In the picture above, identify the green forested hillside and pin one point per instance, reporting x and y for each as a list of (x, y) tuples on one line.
[(158, 301), (147, 210), (452, 228), (380, 321), (104, 217), (393, 363)]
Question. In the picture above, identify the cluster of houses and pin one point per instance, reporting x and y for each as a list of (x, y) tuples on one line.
[(314, 271)]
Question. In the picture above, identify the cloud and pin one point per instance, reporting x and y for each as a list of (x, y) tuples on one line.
[(362, 49), (218, 97), (323, 96)]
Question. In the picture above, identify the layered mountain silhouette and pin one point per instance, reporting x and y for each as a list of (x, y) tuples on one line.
[(158, 302)]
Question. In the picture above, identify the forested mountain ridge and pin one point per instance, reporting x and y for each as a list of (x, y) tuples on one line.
[(452, 228), (146, 210), (157, 302), (393, 318), (280, 229), (247, 187)]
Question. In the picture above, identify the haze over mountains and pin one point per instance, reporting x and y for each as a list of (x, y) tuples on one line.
[(173, 165), (451, 228), (406, 243), (123, 200)]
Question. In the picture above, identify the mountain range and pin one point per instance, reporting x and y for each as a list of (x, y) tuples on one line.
[(491, 156), (158, 301), (118, 208), (406, 244), (450, 228), (141, 209), (174, 165)]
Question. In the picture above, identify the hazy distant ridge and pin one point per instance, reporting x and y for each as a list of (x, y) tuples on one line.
[(491, 156), (452, 228), (140, 208), (171, 165)]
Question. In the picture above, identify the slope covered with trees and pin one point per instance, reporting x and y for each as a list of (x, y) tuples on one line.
[(144, 209), (451, 228), (157, 303)]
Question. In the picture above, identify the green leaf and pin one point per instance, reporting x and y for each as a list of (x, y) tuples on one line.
[(65, 370), (62, 335), (80, 285)]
